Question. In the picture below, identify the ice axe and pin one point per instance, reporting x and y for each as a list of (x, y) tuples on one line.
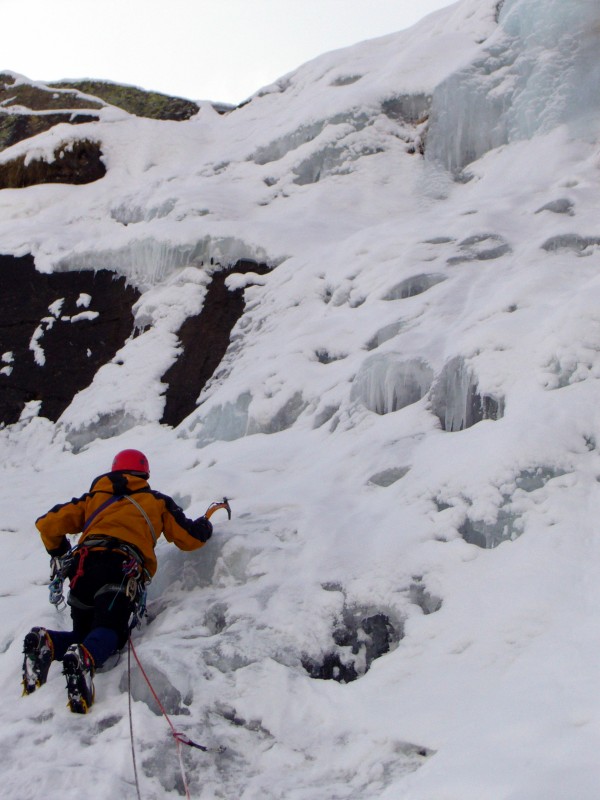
[(224, 504)]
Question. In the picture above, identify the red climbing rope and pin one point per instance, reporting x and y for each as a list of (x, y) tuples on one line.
[(180, 738)]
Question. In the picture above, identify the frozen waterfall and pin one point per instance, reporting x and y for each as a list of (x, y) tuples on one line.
[(539, 70)]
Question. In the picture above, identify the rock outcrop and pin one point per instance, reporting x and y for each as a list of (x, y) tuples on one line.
[(56, 331)]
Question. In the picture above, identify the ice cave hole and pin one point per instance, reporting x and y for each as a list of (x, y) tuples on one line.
[(417, 284), (456, 400), (387, 383)]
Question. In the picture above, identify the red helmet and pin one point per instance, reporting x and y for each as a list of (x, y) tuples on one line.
[(131, 461)]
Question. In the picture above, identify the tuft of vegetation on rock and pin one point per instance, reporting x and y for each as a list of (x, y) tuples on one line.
[(24, 106), (139, 102), (39, 97), (16, 127)]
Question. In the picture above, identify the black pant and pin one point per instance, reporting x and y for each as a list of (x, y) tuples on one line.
[(98, 596)]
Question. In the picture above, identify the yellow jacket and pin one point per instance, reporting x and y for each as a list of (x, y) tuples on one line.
[(92, 516)]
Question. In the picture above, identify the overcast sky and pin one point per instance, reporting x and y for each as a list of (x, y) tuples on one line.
[(220, 50)]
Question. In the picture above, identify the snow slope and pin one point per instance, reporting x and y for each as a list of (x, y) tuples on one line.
[(406, 423)]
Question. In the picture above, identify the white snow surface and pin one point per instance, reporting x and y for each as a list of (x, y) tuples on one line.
[(403, 287)]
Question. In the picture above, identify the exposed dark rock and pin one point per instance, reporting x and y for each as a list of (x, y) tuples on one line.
[(22, 102), (16, 124), (204, 338), (359, 641), (17, 127), (70, 340), (38, 97), (76, 163), (134, 100)]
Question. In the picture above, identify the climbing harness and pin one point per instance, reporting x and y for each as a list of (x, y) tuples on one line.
[(135, 589), (134, 584)]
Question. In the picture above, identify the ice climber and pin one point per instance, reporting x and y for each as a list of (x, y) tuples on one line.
[(119, 520)]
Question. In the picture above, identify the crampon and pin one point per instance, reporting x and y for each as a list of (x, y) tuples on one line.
[(38, 653)]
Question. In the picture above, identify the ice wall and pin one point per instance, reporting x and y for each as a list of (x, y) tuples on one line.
[(539, 70)]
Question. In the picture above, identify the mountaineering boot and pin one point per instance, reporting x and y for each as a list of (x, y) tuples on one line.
[(39, 652), (78, 668)]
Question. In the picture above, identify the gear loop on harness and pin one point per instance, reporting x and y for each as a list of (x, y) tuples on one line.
[(135, 575)]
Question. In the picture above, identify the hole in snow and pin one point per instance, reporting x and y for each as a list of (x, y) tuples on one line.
[(417, 284), (571, 241), (345, 80), (530, 480), (560, 206), (426, 601), (386, 383), (481, 247), (487, 535), (412, 108), (384, 335), (325, 357), (456, 401), (358, 639), (215, 618), (388, 476)]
